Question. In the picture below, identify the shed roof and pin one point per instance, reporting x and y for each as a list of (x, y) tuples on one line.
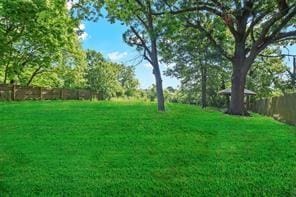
[(227, 91)]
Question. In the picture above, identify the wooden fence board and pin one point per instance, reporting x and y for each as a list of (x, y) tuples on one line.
[(282, 108), (14, 92)]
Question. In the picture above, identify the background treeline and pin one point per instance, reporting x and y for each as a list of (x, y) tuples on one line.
[(212, 44), (206, 77), (40, 46)]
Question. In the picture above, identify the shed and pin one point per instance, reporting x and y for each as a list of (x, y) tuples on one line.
[(227, 91)]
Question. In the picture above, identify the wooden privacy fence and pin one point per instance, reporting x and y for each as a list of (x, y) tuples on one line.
[(18, 93), (282, 108)]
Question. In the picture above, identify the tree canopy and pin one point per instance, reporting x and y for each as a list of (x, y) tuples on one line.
[(109, 79), (209, 45), (253, 26)]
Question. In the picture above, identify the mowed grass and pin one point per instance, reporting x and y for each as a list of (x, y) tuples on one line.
[(81, 148)]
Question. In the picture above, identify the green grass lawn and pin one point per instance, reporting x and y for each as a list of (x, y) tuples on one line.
[(123, 149)]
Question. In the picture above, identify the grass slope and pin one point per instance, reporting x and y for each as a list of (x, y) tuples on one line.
[(119, 149)]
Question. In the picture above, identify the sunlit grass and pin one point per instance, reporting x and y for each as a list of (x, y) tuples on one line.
[(122, 148)]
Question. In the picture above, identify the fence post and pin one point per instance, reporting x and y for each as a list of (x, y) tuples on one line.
[(62, 94), (40, 89), (13, 92)]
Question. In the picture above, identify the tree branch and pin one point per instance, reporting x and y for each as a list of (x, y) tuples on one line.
[(202, 7), (212, 40), (147, 58), (278, 16), (143, 43), (285, 35), (254, 22)]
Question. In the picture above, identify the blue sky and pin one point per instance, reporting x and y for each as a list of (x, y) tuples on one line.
[(107, 39), (292, 51)]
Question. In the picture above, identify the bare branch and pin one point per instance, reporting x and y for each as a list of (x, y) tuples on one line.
[(291, 11), (284, 22), (277, 56), (143, 22), (255, 21), (143, 43), (147, 58), (285, 35)]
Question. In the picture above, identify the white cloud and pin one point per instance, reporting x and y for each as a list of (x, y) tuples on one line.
[(117, 56)]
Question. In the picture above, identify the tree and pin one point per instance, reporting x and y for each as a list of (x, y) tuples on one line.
[(143, 33), (143, 30), (152, 93), (109, 79), (194, 60), (292, 75), (253, 25), (127, 80), (266, 77), (36, 37), (101, 75)]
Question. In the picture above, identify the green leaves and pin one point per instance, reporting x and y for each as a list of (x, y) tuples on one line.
[(36, 35), (109, 79)]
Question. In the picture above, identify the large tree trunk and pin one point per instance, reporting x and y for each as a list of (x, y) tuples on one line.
[(294, 73), (159, 89), (156, 70), (157, 75), (204, 86), (238, 82), (240, 68)]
